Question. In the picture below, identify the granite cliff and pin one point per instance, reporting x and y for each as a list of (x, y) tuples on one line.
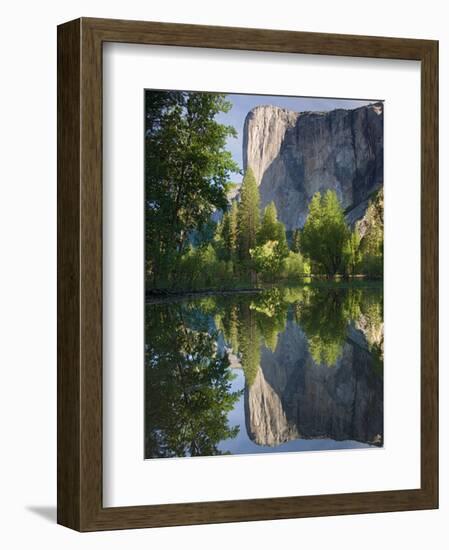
[(293, 155)]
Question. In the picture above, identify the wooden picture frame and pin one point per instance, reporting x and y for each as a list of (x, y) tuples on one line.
[(80, 503)]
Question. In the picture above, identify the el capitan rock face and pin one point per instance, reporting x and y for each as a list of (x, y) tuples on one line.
[(293, 155)]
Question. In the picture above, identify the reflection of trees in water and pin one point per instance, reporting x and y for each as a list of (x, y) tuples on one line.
[(324, 315), (249, 343), (187, 367), (370, 322), (187, 387), (239, 326), (324, 319), (271, 314), (250, 321)]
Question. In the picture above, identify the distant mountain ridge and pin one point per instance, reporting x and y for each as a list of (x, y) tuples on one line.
[(293, 155)]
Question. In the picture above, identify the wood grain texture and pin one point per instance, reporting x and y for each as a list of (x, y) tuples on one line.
[(80, 274), (429, 271), (69, 407)]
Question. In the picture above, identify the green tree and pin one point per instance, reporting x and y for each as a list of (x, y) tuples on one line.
[(205, 234), (273, 230), (201, 268), (294, 267), (272, 249), (268, 230), (229, 231), (351, 253), (186, 170), (248, 218), (372, 242), (266, 260), (325, 233)]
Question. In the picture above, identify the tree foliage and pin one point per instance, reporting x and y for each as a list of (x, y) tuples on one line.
[(267, 260), (229, 233), (352, 254), (187, 167), (248, 219), (272, 249), (325, 233), (372, 243), (295, 268)]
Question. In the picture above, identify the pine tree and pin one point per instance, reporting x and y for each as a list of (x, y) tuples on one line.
[(229, 231), (248, 218)]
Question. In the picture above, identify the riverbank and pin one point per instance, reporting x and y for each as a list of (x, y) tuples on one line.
[(159, 296), (155, 296)]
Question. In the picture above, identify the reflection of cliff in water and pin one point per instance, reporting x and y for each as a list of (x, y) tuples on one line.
[(292, 397), (284, 369)]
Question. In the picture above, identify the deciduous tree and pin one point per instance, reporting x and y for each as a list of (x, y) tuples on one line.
[(325, 233), (187, 167)]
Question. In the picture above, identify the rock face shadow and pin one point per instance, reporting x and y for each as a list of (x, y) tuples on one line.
[(294, 155)]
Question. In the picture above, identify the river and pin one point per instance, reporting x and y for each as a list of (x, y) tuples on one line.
[(286, 369)]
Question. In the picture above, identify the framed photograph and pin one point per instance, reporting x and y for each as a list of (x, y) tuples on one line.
[(247, 274)]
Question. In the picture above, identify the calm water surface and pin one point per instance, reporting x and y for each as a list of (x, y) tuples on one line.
[(286, 369)]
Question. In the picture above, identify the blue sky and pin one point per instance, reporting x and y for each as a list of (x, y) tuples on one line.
[(242, 104)]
